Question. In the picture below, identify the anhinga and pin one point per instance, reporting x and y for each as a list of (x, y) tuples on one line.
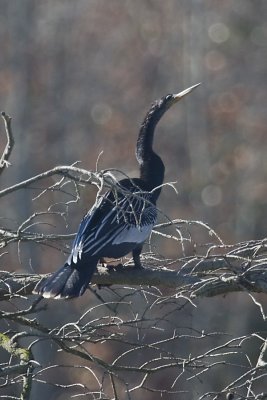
[(116, 225)]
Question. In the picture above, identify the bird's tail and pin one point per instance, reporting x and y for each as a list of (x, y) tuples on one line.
[(69, 281)]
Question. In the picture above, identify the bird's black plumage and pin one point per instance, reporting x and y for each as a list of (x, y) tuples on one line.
[(118, 223)]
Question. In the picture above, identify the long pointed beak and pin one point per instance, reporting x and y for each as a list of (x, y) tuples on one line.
[(179, 96)]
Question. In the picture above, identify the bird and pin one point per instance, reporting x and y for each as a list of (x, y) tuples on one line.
[(119, 222)]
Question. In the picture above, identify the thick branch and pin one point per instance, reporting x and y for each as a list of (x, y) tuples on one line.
[(204, 283)]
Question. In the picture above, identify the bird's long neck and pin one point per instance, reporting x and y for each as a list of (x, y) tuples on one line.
[(151, 165)]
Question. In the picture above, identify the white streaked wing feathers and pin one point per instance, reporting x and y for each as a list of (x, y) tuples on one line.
[(130, 221), (133, 234)]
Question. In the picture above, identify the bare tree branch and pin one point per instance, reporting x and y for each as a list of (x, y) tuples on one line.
[(10, 142), (203, 279), (25, 365), (79, 175)]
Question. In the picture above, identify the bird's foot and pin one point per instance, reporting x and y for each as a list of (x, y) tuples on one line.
[(138, 265)]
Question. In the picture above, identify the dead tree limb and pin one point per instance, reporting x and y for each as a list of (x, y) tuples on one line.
[(210, 278)]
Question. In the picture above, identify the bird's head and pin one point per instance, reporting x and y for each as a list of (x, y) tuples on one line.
[(167, 101), (159, 107)]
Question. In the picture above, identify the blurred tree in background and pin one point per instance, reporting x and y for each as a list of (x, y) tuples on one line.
[(77, 78)]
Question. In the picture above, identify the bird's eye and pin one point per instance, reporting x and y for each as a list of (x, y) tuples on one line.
[(169, 96)]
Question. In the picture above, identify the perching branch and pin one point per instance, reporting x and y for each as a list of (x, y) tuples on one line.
[(207, 277)]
